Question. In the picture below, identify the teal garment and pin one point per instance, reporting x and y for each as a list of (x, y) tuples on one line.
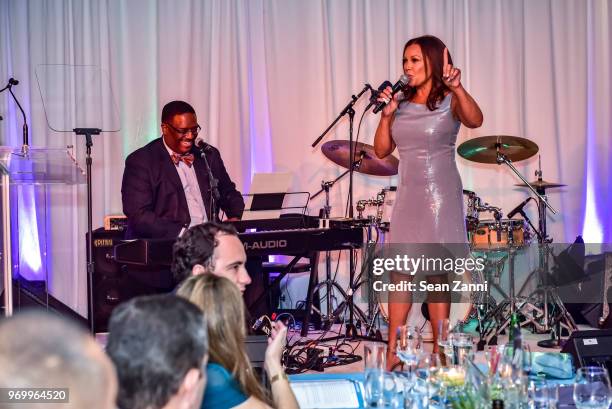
[(552, 364), (222, 391)]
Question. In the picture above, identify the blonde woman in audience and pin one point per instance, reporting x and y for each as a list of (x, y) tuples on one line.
[(231, 381)]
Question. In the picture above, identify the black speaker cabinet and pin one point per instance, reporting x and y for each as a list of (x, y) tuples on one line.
[(114, 283), (590, 348)]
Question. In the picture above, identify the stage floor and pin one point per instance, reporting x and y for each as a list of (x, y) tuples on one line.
[(358, 346)]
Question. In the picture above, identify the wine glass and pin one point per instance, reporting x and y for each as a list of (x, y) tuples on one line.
[(592, 388), (407, 349)]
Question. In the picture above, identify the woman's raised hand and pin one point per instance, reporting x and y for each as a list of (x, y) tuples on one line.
[(451, 76), (276, 346), (391, 100)]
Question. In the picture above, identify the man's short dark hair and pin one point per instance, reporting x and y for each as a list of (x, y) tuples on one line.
[(175, 108), (197, 246), (154, 341)]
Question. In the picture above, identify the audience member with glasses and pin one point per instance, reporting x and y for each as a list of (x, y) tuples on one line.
[(166, 186)]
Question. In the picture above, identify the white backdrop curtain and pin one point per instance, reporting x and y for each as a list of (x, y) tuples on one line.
[(267, 76)]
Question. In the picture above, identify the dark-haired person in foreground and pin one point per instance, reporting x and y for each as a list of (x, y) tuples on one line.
[(159, 346), (210, 248), (42, 350), (166, 187)]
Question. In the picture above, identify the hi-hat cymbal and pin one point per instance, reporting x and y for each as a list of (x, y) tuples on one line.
[(541, 184), (484, 149), (338, 152)]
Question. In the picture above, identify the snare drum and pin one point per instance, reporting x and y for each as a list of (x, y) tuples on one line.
[(494, 235)]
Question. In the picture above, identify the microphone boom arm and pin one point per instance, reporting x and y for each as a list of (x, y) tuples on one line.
[(25, 148)]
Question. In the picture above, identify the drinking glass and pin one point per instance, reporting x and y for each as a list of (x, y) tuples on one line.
[(553, 395), (462, 347), (592, 388), (375, 356), (375, 362), (444, 342), (493, 357), (408, 346), (527, 359), (538, 394), (392, 391), (374, 388), (428, 365)]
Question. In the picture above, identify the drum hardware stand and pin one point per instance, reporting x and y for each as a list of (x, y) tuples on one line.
[(499, 315), (329, 318), (348, 109), (562, 317), (498, 265), (501, 158), (549, 293), (502, 149), (372, 334), (374, 308), (544, 240), (499, 318)]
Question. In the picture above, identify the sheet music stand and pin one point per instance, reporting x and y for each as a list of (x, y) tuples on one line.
[(41, 167), (272, 205)]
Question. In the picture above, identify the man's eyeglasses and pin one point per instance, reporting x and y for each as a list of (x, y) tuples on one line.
[(194, 131)]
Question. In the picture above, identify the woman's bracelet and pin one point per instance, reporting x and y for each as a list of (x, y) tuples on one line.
[(280, 375)]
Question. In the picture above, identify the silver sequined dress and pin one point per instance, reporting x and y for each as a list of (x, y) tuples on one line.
[(429, 201)]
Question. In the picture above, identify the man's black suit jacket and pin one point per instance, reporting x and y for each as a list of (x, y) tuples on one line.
[(153, 196)]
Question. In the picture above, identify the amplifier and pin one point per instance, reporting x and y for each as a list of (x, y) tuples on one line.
[(114, 283), (590, 348)]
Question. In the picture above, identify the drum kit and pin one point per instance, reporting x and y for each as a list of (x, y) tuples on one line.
[(496, 239)]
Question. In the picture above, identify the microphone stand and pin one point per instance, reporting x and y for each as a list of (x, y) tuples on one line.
[(351, 330), (88, 133), (522, 213), (25, 149), (215, 197)]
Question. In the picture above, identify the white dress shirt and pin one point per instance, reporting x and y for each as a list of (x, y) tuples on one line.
[(195, 202)]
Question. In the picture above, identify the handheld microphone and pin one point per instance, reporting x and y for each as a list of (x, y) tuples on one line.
[(375, 94), (518, 208), (401, 83), (13, 81)]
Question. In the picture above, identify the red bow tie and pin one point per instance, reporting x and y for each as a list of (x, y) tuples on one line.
[(188, 159)]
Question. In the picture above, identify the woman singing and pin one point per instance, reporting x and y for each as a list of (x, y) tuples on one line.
[(423, 121)]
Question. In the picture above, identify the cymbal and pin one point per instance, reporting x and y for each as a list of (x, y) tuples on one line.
[(541, 184), (338, 152), (484, 149)]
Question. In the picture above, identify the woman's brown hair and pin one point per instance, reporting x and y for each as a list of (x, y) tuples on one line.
[(224, 313), (432, 49)]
